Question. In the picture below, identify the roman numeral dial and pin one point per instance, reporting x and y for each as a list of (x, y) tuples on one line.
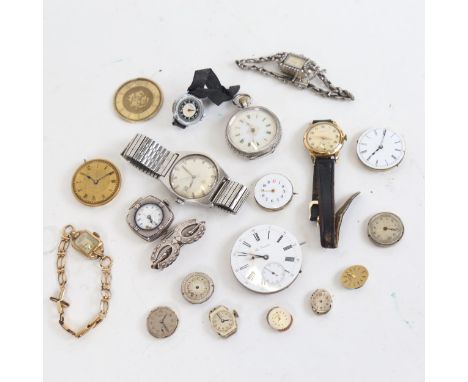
[(266, 259)]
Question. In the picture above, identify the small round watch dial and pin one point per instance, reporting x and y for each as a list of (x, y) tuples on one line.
[(380, 149), (354, 276), (321, 301), (148, 216), (197, 287), (385, 229), (252, 130), (189, 109), (323, 138), (273, 192), (266, 259), (162, 322), (279, 319), (193, 176)]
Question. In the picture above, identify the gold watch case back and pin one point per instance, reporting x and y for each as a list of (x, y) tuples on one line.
[(96, 182), (138, 100), (324, 139)]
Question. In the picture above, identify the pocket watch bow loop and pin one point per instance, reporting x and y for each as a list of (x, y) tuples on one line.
[(167, 251)]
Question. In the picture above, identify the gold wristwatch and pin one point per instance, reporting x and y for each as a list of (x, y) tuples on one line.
[(324, 140)]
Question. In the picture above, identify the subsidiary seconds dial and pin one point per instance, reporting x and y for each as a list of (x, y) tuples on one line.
[(266, 259), (380, 149)]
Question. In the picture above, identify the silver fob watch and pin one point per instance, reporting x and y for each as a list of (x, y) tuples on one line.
[(192, 177), (254, 131)]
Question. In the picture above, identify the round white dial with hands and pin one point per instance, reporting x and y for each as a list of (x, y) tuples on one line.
[(252, 130), (194, 176), (148, 216), (380, 149), (273, 192), (323, 137), (266, 259), (279, 319)]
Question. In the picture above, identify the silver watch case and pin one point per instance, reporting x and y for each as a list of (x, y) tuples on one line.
[(205, 200), (179, 119), (153, 234), (267, 150), (299, 75)]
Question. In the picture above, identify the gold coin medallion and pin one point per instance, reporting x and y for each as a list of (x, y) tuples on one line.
[(96, 182), (138, 100), (354, 276)]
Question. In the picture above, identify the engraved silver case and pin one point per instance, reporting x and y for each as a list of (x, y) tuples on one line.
[(267, 150), (176, 115), (153, 234), (205, 200)]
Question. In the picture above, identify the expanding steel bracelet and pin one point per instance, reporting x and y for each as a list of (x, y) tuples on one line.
[(156, 161)]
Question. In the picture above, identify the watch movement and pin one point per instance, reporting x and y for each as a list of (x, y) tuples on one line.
[(266, 259), (197, 287), (385, 229), (380, 149), (149, 217), (223, 321), (321, 301), (279, 319), (324, 140), (354, 277), (190, 176), (253, 131), (162, 322), (273, 192), (96, 182)]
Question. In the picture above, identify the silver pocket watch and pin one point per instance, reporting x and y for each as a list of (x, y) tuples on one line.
[(253, 131)]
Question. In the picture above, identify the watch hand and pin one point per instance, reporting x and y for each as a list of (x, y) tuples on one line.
[(164, 326), (390, 229), (162, 321), (102, 177), (188, 172), (266, 257), (380, 145), (89, 177), (150, 219)]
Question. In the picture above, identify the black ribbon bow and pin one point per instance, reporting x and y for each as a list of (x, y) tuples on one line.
[(206, 84)]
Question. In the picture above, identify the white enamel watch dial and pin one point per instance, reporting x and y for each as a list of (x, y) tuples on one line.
[(380, 149), (385, 229), (193, 176), (266, 259), (273, 192), (148, 216), (253, 132), (279, 319)]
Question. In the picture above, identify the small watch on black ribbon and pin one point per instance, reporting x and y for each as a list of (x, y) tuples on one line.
[(189, 109)]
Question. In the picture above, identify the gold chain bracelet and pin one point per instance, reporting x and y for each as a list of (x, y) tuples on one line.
[(90, 245)]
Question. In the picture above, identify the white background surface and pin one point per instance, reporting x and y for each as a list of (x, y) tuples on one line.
[(375, 49)]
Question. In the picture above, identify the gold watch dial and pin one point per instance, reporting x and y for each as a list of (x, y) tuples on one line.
[(138, 100), (162, 322), (354, 277), (96, 182), (223, 321), (324, 138), (279, 319)]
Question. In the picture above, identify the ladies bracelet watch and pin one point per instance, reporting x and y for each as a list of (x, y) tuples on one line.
[(324, 140), (298, 71), (253, 131), (149, 217), (190, 176)]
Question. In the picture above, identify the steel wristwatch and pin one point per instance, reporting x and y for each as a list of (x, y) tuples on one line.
[(192, 177)]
